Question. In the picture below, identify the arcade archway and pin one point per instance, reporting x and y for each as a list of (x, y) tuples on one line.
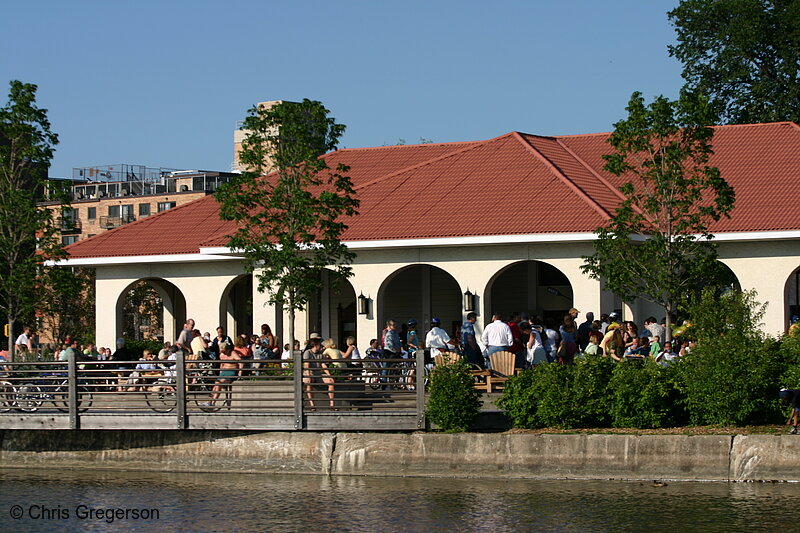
[(150, 308), (421, 292), (236, 306), (532, 287)]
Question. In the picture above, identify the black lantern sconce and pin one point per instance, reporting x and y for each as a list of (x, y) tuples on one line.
[(469, 301), (363, 304)]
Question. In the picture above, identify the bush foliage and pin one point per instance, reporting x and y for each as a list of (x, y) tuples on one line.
[(731, 378), (453, 402), (733, 375), (136, 348)]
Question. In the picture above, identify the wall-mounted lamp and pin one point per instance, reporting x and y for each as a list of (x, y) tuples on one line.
[(363, 304), (469, 301)]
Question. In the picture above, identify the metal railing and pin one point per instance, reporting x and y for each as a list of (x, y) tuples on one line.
[(68, 225), (107, 222), (321, 394)]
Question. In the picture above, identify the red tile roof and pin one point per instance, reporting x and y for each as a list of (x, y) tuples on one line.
[(512, 184)]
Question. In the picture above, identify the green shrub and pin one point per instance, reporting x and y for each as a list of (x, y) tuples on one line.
[(557, 395), (589, 392), (136, 348), (643, 396), (733, 374), (519, 401), (790, 355), (453, 402)]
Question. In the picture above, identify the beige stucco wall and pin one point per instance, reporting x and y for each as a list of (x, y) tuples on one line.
[(766, 267), (201, 283), (473, 267), (763, 266)]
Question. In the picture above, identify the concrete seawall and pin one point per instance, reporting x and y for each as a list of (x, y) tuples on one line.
[(471, 455)]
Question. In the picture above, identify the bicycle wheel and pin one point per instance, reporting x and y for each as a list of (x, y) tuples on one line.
[(203, 397), (61, 398), (162, 401), (28, 398), (7, 397)]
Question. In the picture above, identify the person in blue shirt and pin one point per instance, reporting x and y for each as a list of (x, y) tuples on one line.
[(469, 343), (412, 337)]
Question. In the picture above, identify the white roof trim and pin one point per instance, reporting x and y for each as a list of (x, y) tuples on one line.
[(447, 241), (141, 259), (223, 253), (756, 235)]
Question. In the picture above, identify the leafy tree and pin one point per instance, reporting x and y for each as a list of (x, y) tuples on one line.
[(67, 305), (657, 245), (745, 54), (28, 235), (143, 307), (732, 375), (289, 204)]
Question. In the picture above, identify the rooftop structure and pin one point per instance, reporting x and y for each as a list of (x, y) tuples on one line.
[(108, 196)]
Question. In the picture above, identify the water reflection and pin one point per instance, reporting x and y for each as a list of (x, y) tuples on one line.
[(249, 502)]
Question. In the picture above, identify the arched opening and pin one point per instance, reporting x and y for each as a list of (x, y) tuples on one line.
[(726, 280), (332, 312), (150, 308), (533, 287), (421, 292), (792, 297), (236, 306)]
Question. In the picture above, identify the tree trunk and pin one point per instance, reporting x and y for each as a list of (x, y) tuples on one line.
[(668, 325), (11, 339)]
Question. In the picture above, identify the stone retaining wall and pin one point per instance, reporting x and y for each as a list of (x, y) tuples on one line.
[(472, 455)]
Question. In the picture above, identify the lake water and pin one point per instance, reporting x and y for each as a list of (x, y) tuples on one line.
[(59, 500)]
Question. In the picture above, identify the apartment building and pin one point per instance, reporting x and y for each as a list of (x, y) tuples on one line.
[(109, 196)]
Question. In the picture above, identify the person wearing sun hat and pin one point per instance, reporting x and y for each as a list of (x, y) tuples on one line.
[(612, 341)]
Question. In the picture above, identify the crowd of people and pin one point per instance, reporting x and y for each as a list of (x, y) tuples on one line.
[(532, 340), (535, 341)]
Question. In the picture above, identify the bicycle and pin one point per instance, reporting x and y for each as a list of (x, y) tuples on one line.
[(8, 394), (202, 384), (164, 398), (29, 397)]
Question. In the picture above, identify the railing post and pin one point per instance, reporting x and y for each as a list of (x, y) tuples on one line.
[(180, 388), (298, 389), (72, 391), (420, 388)]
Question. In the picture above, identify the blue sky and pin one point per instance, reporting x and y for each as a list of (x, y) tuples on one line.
[(162, 83)]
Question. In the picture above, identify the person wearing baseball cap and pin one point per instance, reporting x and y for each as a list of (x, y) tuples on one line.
[(437, 338)]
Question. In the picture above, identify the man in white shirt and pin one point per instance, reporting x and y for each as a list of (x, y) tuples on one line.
[(437, 338), (24, 342), (497, 336)]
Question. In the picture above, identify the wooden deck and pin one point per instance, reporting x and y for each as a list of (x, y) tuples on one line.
[(48, 396)]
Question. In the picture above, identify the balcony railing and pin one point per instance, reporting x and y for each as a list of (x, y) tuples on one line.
[(109, 222), (69, 226)]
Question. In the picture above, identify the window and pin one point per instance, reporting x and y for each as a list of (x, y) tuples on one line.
[(92, 213), (113, 211), (163, 206), (144, 210), (69, 239)]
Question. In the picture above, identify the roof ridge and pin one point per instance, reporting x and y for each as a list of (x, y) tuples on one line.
[(421, 164), (401, 146), (563, 177), (592, 171)]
